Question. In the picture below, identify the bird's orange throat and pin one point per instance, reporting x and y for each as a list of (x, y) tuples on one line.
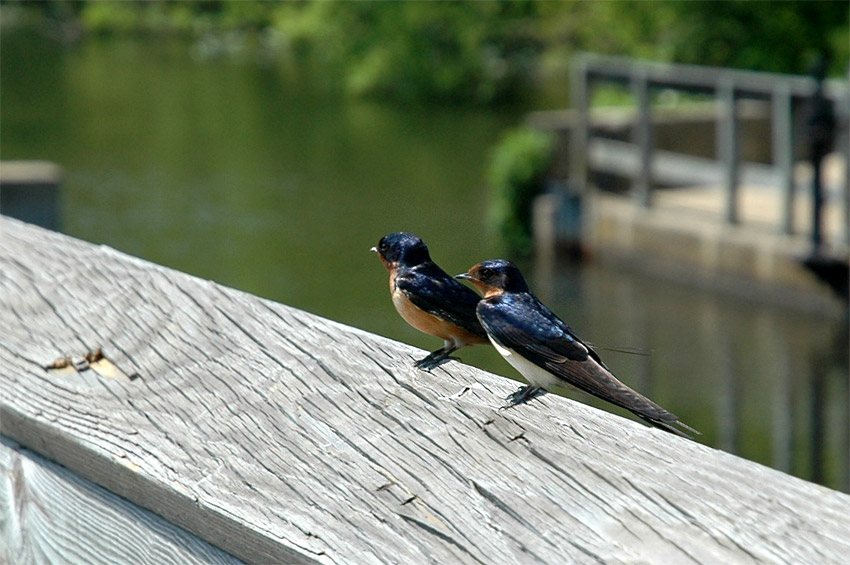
[(390, 266), (487, 290), (491, 291)]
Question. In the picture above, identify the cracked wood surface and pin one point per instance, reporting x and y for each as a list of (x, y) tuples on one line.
[(279, 436)]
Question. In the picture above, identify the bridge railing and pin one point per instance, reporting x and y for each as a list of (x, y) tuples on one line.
[(786, 94), (150, 416)]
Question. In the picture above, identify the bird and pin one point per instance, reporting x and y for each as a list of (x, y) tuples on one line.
[(428, 298), (546, 351)]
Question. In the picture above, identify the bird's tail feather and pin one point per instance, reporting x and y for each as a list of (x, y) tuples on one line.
[(668, 426)]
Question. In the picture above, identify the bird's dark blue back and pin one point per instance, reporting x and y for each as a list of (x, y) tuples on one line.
[(521, 322)]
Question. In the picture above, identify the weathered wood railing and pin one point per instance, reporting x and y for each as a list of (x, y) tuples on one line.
[(278, 436), (640, 160)]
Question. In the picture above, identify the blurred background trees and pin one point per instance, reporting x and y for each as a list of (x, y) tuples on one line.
[(481, 52)]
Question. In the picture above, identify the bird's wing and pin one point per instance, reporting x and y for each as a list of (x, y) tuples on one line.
[(526, 326), (522, 323), (434, 291)]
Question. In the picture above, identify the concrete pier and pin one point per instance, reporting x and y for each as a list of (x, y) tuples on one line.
[(679, 237)]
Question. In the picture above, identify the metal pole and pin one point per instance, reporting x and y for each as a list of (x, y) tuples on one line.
[(821, 128), (727, 140)]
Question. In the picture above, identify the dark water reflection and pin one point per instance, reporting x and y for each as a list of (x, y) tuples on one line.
[(267, 180), (768, 383)]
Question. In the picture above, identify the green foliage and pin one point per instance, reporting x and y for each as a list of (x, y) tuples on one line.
[(191, 18), (489, 51), (438, 51), (516, 172), (109, 17), (769, 36)]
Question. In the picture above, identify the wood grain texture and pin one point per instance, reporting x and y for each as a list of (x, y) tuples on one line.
[(279, 436), (50, 515)]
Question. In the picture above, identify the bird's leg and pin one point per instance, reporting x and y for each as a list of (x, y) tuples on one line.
[(437, 358), (523, 395)]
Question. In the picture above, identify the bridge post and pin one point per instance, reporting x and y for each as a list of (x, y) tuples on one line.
[(579, 95), (642, 137), (727, 144), (782, 130)]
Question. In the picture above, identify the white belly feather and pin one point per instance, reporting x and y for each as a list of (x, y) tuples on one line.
[(536, 376)]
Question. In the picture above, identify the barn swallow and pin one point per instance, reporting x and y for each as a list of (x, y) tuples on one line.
[(545, 350), (428, 298)]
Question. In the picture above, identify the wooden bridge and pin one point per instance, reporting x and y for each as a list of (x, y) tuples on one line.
[(150, 416), (787, 95), (722, 187)]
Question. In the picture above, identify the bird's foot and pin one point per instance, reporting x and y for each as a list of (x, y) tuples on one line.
[(434, 360), (523, 395)]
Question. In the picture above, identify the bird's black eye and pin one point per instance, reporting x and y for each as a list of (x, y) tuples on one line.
[(486, 273)]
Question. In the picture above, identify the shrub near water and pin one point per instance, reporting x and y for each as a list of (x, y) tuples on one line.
[(516, 173)]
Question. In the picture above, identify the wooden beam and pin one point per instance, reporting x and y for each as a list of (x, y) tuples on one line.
[(671, 168), (50, 515), (279, 436), (702, 79)]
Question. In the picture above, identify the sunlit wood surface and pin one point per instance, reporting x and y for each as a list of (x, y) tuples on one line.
[(278, 436)]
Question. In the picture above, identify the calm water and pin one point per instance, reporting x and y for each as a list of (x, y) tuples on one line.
[(264, 178)]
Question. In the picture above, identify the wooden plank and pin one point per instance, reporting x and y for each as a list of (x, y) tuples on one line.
[(671, 168), (279, 436), (699, 78), (50, 515)]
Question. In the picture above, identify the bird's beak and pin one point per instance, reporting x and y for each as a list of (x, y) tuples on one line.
[(373, 249), (465, 276)]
